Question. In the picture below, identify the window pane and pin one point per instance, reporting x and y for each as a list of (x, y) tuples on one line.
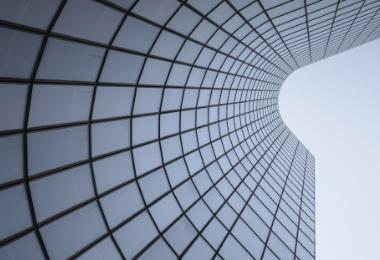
[(121, 204), (110, 136), (18, 51), (121, 67), (143, 35), (133, 236), (11, 158), (180, 234), (147, 100), (54, 104), (145, 129), (165, 211), (154, 185), (76, 61), (57, 192), (103, 250), (157, 11), (155, 72), (112, 102), (167, 45), (14, 214), (113, 170), (147, 157), (54, 148), (97, 23), (22, 248), (35, 13), (12, 105), (77, 230)]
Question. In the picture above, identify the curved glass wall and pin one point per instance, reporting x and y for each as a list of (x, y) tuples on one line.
[(150, 129)]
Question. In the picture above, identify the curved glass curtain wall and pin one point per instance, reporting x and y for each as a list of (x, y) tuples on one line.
[(151, 128)]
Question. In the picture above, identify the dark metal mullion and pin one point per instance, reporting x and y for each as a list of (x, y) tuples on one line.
[(349, 29), (278, 204), (190, 177), (129, 218), (115, 84), (275, 29), (90, 125), (365, 26), (331, 28), (197, 137), (229, 231), (233, 36), (146, 207), (196, 201), (299, 213), (25, 130), (125, 50), (371, 33), (94, 158)]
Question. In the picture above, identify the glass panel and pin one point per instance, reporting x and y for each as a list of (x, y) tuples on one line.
[(231, 249), (144, 129), (77, 230), (54, 148), (135, 235), (177, 171), (57, 192), (18, 51), (123, 3), (11, 158), (12, 105), (154, 185), (14, 214), (121, 67), (103, 250), (143, 35), (147, 157), (199, 250), (169, 123), (165, 211), (178, 75), (98, 23), (255, 223), (22, 248), (113, 102), (199, 214), (279, 247), (186, 194), (167, 45), (53, 104), (172, 98), (121, 204), (147, 100), (159, 250), (171, 148), (248, 239), (155, 72), (180, 234), (157, 11), (113, 170), (110, 136), (35, 13), (184, 21), (76, 61), (214, 233)]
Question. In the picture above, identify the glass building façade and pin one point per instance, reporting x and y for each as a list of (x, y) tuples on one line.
[(150, 129)]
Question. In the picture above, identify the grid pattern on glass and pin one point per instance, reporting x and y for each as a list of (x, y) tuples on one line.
[(146, 128)]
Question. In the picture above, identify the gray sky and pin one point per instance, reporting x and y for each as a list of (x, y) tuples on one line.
[(333, 106)]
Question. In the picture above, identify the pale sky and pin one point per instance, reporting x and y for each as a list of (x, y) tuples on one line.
[(333, 106)]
